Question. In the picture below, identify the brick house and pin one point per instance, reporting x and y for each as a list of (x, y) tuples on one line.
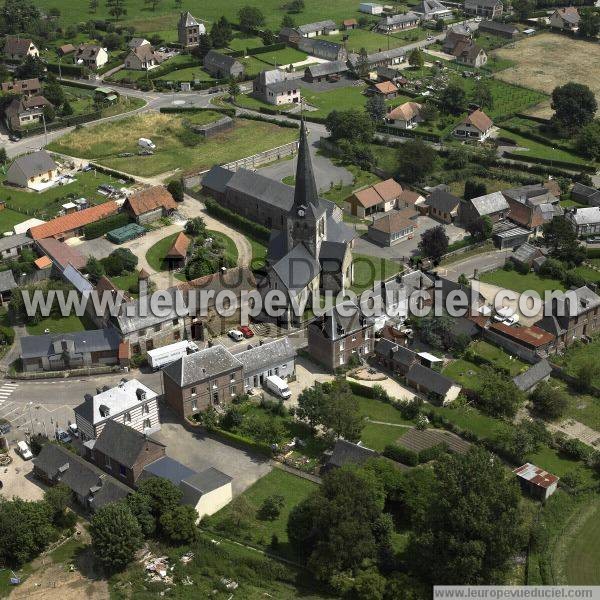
[(189, 30), (123, 452), (340, 335), (210, 377)]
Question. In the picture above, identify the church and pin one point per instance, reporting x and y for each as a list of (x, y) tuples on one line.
[(313, 251)]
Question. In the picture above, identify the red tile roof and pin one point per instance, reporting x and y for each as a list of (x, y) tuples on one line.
[(62, 254), (123, 352), (395, 221), (386, 87), (43, 262), (533, 336), (73, 221), (479, 120), (150, 199), (179, 247)]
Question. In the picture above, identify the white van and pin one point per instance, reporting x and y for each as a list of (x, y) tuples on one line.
[(165, 355), (278, 386), (146, 143), (235, 335), (24, 451)]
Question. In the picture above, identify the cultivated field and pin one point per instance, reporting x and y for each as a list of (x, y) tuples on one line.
[(176, 146), (548, 60)]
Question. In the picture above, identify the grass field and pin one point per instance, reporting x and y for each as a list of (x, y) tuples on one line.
[(582, 549), (259, 532), (519, 283), (282, 57), (368, 269), (498, 357), (60, 325), (46, 204), (377, 437), (548, 60), (124, 282), (343, 98), (187, 74), (577, 356), (241, 42), (177, 147), (376, 410), (462, 371), (371, 41), (156, 254)]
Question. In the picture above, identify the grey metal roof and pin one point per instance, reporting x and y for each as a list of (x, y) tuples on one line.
[(482, 3), (586, 194), (7, 281), (345, 453), (490, 203), (327, 68), (121, 443), (317, 26), (525, 253), (527, 380), (168, 468), (31, 165), (511, 232), (297, 268), (377, 57), (8, 242), (95, 340), (409, 17), (77, 279), (429, 379), (202, 365), (427, 7), (266, 355), (588, 215), (208, 480), (497, 26)]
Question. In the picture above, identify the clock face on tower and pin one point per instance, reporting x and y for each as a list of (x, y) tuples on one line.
[(300, 212)]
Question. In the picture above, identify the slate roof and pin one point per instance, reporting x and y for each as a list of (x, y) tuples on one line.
[(17, 45), (297, 268), (121, 443), (526, 253), (220, 61), (428, 7), (530, 378), (399, 19), (187, 20), (136, 42), (586, 194), (202, 365), (32, 165), (283, 86), (317, 26), (495, 26), (95, 340), (208, 480), (429, 379), (62, 253), (266, 355), (217, 179), (385, 347), (327, 68), (345, 453), (442, 201), (588, 215), (8, 242), (342, 319), (7, 281), (570, 14), (167, 468), (489, 204)]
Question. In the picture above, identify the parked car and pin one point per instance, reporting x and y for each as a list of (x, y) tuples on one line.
[(73, 430), (24, 451), (235, 335), (63, 436), (246, 331), (13, 137)]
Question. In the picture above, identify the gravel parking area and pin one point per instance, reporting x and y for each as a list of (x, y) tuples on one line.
[(18, 479)]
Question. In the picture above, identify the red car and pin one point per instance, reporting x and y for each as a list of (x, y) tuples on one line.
[(246, 331)]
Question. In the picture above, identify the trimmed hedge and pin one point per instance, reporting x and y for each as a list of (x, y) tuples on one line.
[(279, 122), (265, 49), (99, 228), (230, 112), (66, 69), (245, 225), (402, 455), (259, 447), (546, 161), (409, 133), (115, 174)]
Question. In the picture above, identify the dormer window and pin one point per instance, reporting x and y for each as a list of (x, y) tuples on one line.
[(104, 411)]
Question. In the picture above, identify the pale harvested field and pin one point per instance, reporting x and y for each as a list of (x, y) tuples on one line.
[(548, 60)]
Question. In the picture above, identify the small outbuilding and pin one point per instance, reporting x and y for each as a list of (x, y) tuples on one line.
[(537, 482)]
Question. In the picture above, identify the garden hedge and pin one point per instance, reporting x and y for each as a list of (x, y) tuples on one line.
[(230, 112), (402, 455), (245, 225), (112, 173), (259, 447), (99, 228), (279, 122), (546, 161)]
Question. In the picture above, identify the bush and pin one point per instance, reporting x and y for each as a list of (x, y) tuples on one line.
[(103, 226), (401, 455)]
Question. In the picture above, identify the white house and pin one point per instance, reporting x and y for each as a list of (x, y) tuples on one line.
[(327, 27), (32, 170), (405, 116), (566, 19), (91, 56), (475, 126), (131, 403), (271, 358), (370, 8), (584, 221)]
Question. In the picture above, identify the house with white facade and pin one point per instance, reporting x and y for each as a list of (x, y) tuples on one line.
[(475, 126), (130, 402)]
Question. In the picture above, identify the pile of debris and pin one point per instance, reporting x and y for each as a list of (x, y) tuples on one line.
[(158, 568)]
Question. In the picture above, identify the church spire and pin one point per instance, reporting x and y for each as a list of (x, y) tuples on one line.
[(305, 192)]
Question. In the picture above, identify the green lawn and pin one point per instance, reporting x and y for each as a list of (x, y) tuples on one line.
[(127, 281), (376, 410), (464, 372), (518, 282), (241, 41), (68, 324), (471, 419), (187, 74), (259, 532), (498, 356), (552, 461), (582, 555), (259, 253), (230, 249), (343, 98), (371, 41), (176, 146), (247, 101), (377, 437), (578, 355), (339, 193), (587, 273), (368, 269), (46, 204), (282, 57), (156, 254), (582, 407)]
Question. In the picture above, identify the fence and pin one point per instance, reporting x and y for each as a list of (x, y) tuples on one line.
[(86, 372), (250, 162)]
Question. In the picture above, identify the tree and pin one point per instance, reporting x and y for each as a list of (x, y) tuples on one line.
[(311, 405), (338, 526), (463, 280), (474, 189), (498, 396), (473, 526), (140, 507), (362, 63), (480, 228), (116, 535), (94, 268), (19, 17), (342, 413), (482, 95), (271, 507), (93, 5), (589, 22), (162, 494), (434, 242), (376, 108), (574, 106), (268, 37), (523, 8), (586, 372), (116, 8), (416, 59), (549, 402), (221, 33), (296, 6), (175, 188), (30, 68), (49, 113), (179, 524), (3, 156), (369, 584), (203, 48), (58, 497), (25, 530), (453, 98), (250, 18), (354, 125), (416, 160), (196, 227), (562, 239), (588, 140), (429, 112), (234, 89), (153, 4), (67, 109), (287, 21), (53, 92)]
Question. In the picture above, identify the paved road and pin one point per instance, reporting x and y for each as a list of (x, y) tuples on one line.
[(481, 263)]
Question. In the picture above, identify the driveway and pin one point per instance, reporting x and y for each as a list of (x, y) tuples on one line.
[(199, 450), (307, 373), (18, 480)]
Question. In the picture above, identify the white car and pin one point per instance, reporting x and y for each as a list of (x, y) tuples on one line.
[(235, 335), (24, 451)]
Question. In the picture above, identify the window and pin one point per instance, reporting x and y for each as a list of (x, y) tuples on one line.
[(147, 424), (175, 321), (146, 409), (232, 377), (107, 463), (341, 345), (194, 405), (157, 328), (142, 332), (216, 398), (193, 391), (127, 418), (232, 390), (122, 471)]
